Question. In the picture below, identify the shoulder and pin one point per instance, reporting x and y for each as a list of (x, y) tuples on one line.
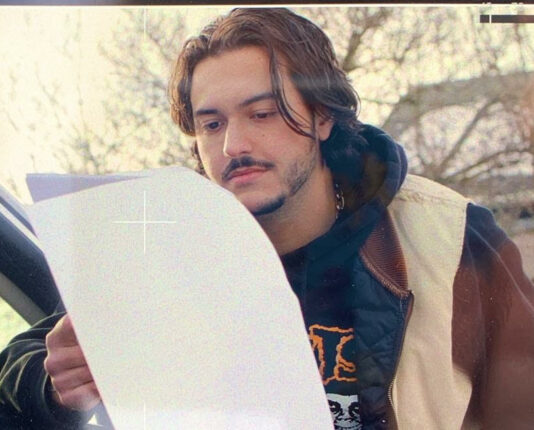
[(494, 321), (419, 189), (482, 230), (429, 216)]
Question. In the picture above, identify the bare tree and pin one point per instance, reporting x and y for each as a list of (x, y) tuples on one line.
[(455, 93), (137, 131), (62, 127), (144, 51)]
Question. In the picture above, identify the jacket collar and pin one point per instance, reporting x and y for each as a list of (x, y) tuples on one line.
[(383, 167), (382, 255)]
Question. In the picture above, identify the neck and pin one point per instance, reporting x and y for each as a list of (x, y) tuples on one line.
[(304, 217)]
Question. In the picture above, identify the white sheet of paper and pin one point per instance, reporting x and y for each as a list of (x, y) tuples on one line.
[(185, 325), (44, 186)]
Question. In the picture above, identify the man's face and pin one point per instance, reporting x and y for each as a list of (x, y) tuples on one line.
[(243, 142)]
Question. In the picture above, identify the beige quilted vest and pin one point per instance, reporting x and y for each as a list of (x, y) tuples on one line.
[(428, 391)]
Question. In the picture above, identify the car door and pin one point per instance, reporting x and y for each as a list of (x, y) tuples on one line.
[(26, 283)]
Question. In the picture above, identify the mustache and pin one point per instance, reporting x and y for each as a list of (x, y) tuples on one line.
[(245, 161)]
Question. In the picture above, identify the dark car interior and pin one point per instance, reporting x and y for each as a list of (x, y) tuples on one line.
[(26, 282)]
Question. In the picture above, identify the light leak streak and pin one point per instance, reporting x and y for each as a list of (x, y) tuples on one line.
[(144, 24)]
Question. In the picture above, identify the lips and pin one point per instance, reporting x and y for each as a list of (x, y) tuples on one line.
[(244, 174)]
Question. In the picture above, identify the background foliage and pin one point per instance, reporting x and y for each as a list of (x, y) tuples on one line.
[(458, 94)]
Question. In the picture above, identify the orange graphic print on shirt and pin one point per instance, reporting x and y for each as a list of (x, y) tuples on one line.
[(324, 341)]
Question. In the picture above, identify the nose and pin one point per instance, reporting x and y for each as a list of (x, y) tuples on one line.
[(236, 140)]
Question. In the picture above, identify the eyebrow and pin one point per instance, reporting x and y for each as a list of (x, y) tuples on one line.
[(251, 100), (205, 112), (259, 97)]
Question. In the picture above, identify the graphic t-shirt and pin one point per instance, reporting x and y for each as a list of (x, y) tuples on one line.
[(334, 349), (355, 328)]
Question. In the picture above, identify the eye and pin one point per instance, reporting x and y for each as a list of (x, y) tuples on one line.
[(211, 126), (335, 407), (263, 114)]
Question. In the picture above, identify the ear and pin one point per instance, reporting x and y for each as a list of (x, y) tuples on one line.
[(323, 126)]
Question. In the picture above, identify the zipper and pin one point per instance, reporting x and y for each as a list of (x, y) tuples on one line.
[(409, 301)]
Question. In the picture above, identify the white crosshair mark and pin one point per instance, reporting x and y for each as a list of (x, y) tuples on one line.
[(144, 221)]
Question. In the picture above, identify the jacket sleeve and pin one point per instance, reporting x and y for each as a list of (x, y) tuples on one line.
[(494, 326), (25, 388)]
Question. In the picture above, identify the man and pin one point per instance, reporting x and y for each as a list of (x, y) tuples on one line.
[(415, 302)]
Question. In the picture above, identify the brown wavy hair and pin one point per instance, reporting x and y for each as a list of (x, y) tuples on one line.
[(305, 50)]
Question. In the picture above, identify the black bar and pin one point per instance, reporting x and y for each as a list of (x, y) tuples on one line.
[(228, 2), (506, 19)]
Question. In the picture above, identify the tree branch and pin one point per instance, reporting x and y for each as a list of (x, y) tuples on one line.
[(426, 98)]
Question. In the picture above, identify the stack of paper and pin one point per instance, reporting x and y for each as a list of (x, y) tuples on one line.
[(181, 306)]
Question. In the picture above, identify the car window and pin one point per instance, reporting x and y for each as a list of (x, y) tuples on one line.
[(11, 323), (25, 279)]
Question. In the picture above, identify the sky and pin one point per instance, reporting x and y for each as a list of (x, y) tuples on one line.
[(31, 44), (31, 40)]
